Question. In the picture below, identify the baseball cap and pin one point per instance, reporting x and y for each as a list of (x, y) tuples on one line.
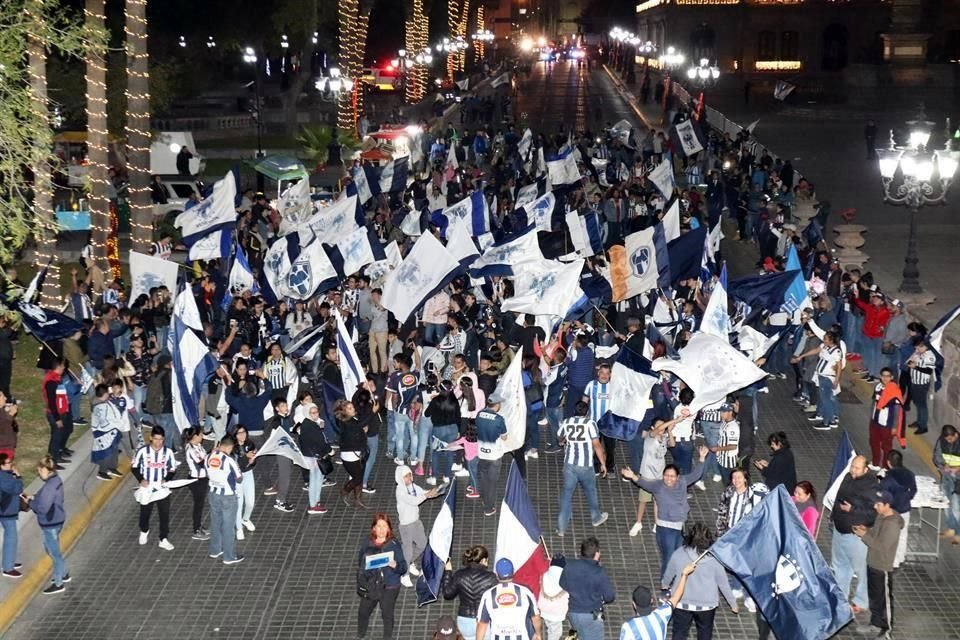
[(504, 569), (446, 628), (726, 406), (642, 600), (883, 496)]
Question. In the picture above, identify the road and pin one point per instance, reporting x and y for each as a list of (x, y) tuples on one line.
[(298, 579)]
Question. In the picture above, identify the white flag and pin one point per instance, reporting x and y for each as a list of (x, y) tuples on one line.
[(540, 211), (549, 288), (526, 195), (295, 206), (671, 221), (356, 251), (426, 267), (688, 138), (147, 272), (513, 408), (214, 212), (350, 368), (336, 221), (563, 170), (662, 178), (281, 443)]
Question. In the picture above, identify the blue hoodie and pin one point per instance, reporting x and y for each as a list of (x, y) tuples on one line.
[(10, 489), (48, 503)]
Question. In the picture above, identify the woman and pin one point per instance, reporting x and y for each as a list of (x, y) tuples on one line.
[(428, 391), (353, 448), (468, 584), (805, 500), (368, 412), (47, 504), (244, 452), (533, 396), (11, 486), (700, 597), (381, 565), (736, 501), (780, 468), (196, 457), (314, 445), (444, 412), (298, 320)]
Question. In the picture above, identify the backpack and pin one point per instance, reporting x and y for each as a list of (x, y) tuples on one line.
[(154, 401)]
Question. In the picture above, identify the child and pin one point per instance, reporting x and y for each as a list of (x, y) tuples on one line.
[(468, 442), (553, 602), (196, 457), (125, 405), (412, 534), (106, 422)]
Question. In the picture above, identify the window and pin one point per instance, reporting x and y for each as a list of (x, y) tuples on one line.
[(789, 45), (767, 46)]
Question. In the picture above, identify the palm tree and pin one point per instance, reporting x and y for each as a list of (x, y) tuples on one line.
[(97, 134), (138, 124)]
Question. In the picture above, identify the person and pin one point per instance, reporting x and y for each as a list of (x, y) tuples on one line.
[(444, 413), (590, 588), (901, 483), (403, 398), (553, 602), (280, 420), (651, 623), (582, 442), (183, 161), (670, 493), (700, 599), (367, 406), (59, 416), (467, 585), (682, 434), (412, 534), (829, 366), (152, 465), (353, 448), (656, 441), (921, 366), (853, 506), (446, 629), (245, 452), (196, 457), (870, 138), (508, 610), (313, 445), (47, 505), (106, 422), (727, 449), (886, 417), (381, 564), (491, 429), (597, 396), (780, 469), (224, 480), (8, 426), (881, 539), (805, 500), (737, 500), (946, 458), (11, 486)]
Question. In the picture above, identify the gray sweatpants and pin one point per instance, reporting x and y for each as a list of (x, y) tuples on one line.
[(414, 540)]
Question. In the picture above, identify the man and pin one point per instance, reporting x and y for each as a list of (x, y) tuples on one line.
[(556, 382), (281, 419), (159, 401), (57, 405), (901, 483), (435, 312), (582, 442), (183, 161), (921, 366), (829, 366), (153, 465), (650, 623), (224, 477), (590, 589), (597, 397), (491, 428), (881, 541), (853, 506), (580, 359), (100, 344), (727, 450), (403, 400), (508, 610), (886, 417), (876, 315), (946, 458)]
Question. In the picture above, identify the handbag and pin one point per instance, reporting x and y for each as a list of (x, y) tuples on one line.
[(325, 465)]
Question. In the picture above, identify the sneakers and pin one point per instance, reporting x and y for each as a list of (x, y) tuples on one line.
[(414, 571), (432, 481), (201, 534), (270, 491), (389, 454), (699, 485), (821, 426), (461, 473), (236, 560), (490, 512), (66, 578), (369, 489), (560, 533), (406, 581), (603, 518), (104, 476), (417, 468), (53, 589), (317, 509), (716, 477), (750, 605), (329, 483), (815, 419), (636, 529), (216, 555), (113, 473), (552, 450), (240, 534), (398, 461), (248, 526), (306, 486), (472, 493), (144, 536), (835, 423), (737, 593), (531, 454), (283, 506), (12, 574), (165, 545), (810, 408)]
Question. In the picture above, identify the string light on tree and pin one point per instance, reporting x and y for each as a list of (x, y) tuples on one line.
[(138, 132), (96, 75)]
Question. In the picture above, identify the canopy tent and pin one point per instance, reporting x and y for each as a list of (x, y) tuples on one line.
[(279, 168)]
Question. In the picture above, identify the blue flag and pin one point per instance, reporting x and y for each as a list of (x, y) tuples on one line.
[(935, 340), (47, 325), (631, 380), (686, 254), (841, 458), (778, 562), (768, 291), (437, 551)]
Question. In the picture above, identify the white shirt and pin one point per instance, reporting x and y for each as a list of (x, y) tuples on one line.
[(683, 430), (508, 608)]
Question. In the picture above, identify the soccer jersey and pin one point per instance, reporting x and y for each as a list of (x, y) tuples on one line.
[(508, 609), (598, 395), (224, 473), (579, 434), (925, 365), (829, 357), (652, 626), (729, 434), (154, 465), (406, 387)]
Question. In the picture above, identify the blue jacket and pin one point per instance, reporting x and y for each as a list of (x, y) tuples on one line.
[(249, 410), (391, 577), (10, 489), (902, 485), (100, 345), (48, 503), (588, 584)]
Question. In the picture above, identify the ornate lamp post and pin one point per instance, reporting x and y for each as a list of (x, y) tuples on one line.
[(913, 176)]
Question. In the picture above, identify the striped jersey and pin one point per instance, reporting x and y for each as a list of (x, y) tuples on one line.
[(598, 396), (925, 365), (276, 372), (224, 473), (154, 465), (196, 456), (729, 434), (508, 609), (579, 433), (652, 626), (710, 413), (829, 357)]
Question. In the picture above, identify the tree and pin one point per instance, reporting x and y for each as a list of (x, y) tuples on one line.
[(97, 137), (138, 124)]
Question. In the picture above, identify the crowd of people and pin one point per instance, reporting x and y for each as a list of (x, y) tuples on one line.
[(428, 400)]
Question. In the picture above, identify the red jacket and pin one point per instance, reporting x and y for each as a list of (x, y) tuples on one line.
[(875, 318), (55, 399)]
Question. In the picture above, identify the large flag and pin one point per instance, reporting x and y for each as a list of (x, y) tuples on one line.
[(842, 459), (935, 338), (514, 405), (767, 291), (453, 163), (351, 371), (716, 317), (336, 221), (427, 267), (518, 534), (631, 380), (540, 211), (357, 251), (779, 563), (474, 210), (689, 140), (796, 296), (460, 245), (527, 194), (281, 443), (362, 183), (294, 206), (216, 211), (241, 275), (639, 264), (780, 91), (671, 221), (103, 442), (686, 254), (437, 551), (501, 79), (755, 344), (193, 364), (549, 288), (503, 258), (621, 131), (523, 147), (563, 169), (47, 325), (662, 178), (712, 368), (36, 283), (585, 233), (393, 177), (212, 246), (147, 272)]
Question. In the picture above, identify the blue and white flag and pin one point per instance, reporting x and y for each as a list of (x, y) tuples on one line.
[(585, 233), (46, 324), (460, 245), (437, 552), (501, 79), (562, 169), (147, 272), (631, 379), (716, 317), (281, 443), (548, 288), (351, 370), (767, 291), (193, 364), (216, 211), (427, 267), (935, 339), (671, 221), (771, 552), (336, 221), (357, 251), (310, 272), (36, 284), (362, 184), (295, 206), (241, 275), (523, 147), (212, 246), (527, 194), (842, 459), (621, 131), (662, 178), (473, 210), (393, 176), (513, 409), (540, 211), (686, 254), (689, 140), (505, 258), (103, 443), (641, 264), (796, 297), (304, 342)]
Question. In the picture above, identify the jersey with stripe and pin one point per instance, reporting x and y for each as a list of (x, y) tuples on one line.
[(508, 609), (579, 433), (829, 357), (224, 473), (154, 465), (276, 371), (598, 395), (196, 456), (652, 626), (923, 370), (729, 434)]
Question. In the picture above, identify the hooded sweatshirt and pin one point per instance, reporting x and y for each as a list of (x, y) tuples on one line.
[(409, 497)]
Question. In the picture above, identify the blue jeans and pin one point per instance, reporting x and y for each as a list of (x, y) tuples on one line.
[(391, 433), (849, 557), (314, 486), (754, 406), (947, 484), (51, 544), (443, 460), (9, 543), (871, 355), (424, 431), (246, 497), (473, 466), (668, 541), (406, 430), (711, 436), (223, 525), (373, 444), (827, 409), (532, 438), (433, 333), (554, 416), (467, 627), (574, 475), (636, 451), (587, 627), (682, 454), (139, 397), (73, 395), (171, 434), (918, 393)]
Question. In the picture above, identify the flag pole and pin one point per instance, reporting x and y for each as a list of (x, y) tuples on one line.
[(612, 328), (823, 509)]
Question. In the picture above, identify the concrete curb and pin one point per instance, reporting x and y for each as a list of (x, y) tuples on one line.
[(627, 97)]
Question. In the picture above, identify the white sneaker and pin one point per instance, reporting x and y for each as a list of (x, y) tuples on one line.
[(144, 536), (716, 477), (456, 467), (737, 593), (446, 480), (165, 545), (248, 525), (461, 473), (413, 570), (750, 604), (533, 453), (636, 529), (240, 535), (406, 581), (699, 485), (398, 461), (432, 481)]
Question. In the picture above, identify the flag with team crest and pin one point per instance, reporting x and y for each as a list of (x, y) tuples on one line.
[(540, 211), (282, 443), (473, 210), (689, 140), (213, 213), (548, 288), (426, 267), (662, 178)]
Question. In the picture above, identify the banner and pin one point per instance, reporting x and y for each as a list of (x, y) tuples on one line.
[(147, 272)]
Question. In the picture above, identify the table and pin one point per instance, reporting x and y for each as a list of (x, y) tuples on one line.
[(929, 497)]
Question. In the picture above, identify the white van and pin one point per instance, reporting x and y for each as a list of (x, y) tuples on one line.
[(164, 149)]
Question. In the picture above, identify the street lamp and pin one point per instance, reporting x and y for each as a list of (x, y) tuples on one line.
[(211, 43), (914, 176), (250, 57), (704, 74), (182, 42), (671, 59)]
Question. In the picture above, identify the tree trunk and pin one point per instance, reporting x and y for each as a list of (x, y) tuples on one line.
[(97, 136), (46, 225), (138, 125)]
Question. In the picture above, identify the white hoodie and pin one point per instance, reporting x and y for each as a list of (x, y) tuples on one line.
[(409, 497)]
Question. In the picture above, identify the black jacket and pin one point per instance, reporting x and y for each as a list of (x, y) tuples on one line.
[(313, 444), (352, 435), (468, 584), (781, 470), (443, 410), (860, 493)]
